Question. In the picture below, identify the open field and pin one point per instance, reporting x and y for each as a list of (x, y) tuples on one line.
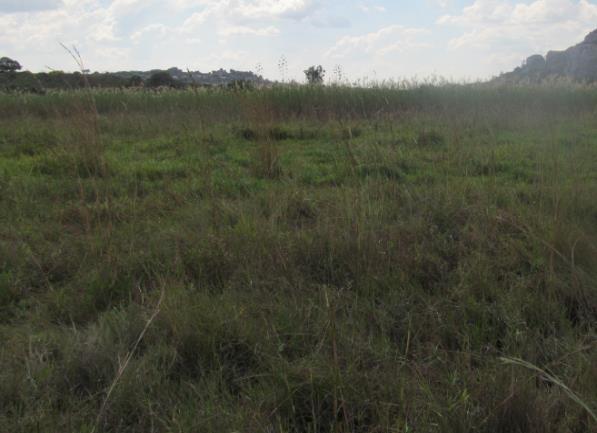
[(299, 259)]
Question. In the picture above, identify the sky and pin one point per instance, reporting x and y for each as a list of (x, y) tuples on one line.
[(354, 40)]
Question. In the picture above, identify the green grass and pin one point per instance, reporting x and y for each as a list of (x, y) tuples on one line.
[(331, 260)]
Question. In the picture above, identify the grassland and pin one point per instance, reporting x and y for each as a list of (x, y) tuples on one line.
[(299, 260)]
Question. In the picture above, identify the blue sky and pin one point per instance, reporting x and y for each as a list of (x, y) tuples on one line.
[(366, 39)]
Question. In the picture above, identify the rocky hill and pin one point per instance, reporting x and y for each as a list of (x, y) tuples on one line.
[(577, 63)]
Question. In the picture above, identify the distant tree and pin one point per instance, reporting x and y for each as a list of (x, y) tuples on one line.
[(159, 79), (52, 80), (9, 65), (26, 82), (135, 81), (240, 85), (315, 74)]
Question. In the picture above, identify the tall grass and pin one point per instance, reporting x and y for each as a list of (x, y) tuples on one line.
[(334, 259), (292, 101)]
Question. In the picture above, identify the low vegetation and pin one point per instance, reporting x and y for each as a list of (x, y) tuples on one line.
[(299, 259)]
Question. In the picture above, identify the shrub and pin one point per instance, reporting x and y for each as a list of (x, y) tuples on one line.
[(315, 74), (136, 81), (161, 79), (9, 65)]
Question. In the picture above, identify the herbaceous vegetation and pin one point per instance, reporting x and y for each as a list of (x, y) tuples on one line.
[(314, 259)]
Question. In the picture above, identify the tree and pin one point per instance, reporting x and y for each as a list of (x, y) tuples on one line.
[(240, 85), (159, 79), (315, 74), (9, 65), (135, 81)]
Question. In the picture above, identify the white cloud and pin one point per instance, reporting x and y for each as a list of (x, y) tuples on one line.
[(9, 6), (541, 24), (329, 21), (105, 31), (480, 12), (195, 21), (121, 7), (154, 31), (390, 39), (250, 10), (259, 9), (503, 33), (238, 17), (480, 39), (84, 23), (370, 8), (244, 30)]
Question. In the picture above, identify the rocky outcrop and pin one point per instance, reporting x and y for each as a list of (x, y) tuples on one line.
[(577, 63), (591, 38)]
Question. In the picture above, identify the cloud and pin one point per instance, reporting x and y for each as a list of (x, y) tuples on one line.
[(154, 31), (122, 7), (386, 40), (503, 33), (371, 8), (329, 21), (481, 38), (116, 33), (250, 10), (244, 30), (290, 9), (8, 6), (541, 24), (94, 29), (443, 3), (239, 17)]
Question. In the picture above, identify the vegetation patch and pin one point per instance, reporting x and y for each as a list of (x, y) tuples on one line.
[(312, 258)]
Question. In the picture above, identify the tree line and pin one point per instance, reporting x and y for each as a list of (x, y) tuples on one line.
[(13, 80)]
